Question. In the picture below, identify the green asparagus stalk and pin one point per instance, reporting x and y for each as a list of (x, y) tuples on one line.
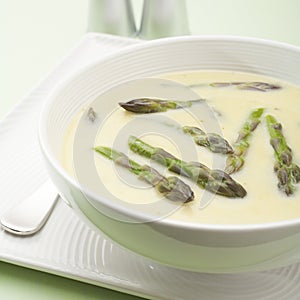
[(288, 173), (212, 141), (215, 181), (255, 86), (91, 114), (236, 160), (151, 105), (171, 187)]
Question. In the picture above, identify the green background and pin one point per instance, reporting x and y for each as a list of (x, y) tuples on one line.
[(35, 36)]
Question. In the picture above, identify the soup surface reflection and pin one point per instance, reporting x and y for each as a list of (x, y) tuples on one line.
[(225, 109)]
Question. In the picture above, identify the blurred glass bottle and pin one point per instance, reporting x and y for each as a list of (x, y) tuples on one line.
[(163, 18), (111, 16)]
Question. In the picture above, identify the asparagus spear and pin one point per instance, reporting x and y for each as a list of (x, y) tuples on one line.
[(288, 173), (170, 187), (212, 141), (236, 160), (91, 114), (256, 85), (151, 105), (215, 181)]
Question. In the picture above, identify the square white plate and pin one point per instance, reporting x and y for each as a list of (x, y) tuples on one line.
[(68, 247)]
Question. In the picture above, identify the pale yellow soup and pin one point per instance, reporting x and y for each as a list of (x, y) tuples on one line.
[(230, 108)]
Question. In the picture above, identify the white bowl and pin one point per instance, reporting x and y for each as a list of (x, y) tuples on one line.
[(197, 247)]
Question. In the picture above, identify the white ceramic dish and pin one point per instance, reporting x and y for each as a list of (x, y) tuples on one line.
[(66, 246), (188, 246)]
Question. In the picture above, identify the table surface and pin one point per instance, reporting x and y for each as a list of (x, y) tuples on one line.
[(35, 36)]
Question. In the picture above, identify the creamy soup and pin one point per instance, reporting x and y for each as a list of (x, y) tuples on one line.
[(224, 110)]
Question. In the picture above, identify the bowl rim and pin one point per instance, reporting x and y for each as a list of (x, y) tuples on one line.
[(191, 226)]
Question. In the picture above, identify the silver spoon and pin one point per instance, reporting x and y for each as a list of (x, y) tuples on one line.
[(32, 213)]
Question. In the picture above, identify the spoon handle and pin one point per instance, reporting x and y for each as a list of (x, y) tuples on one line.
[(32, 213)]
